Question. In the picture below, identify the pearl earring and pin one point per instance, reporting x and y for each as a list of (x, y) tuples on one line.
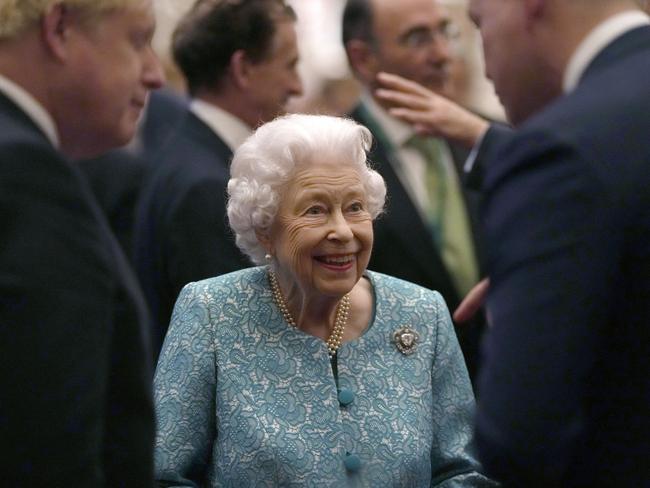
[(268, 257)]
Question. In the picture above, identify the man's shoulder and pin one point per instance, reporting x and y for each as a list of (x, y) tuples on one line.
[(27, 154), (188, 159), (605, 113), (194, 142), (611, 97), (604, 119), (17, 129), (28, 160)]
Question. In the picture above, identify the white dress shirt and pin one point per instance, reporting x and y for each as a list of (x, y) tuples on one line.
[(231, 129)]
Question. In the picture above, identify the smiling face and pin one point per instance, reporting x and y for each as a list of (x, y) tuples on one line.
[(322, 235), (111, 69)]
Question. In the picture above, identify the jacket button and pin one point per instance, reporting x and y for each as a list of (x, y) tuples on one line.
[(352, 462), (345, 397)]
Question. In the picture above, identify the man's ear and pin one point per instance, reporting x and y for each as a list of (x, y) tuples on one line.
[(362, 59), (240, 68), (55, 29)]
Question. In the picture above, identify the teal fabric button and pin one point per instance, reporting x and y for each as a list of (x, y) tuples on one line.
[(345, 396), (352, 462)]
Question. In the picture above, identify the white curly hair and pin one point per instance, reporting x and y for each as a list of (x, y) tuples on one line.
[(269, 158)]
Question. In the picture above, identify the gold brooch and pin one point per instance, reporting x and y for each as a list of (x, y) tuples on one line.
[(406, 340)]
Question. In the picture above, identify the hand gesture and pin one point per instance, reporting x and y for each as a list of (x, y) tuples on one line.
[(428, 112)]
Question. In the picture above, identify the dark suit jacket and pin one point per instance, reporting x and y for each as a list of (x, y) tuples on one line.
[(181, 232), (403, 246), (75, 372), (565, 387), (496, 135), (116, 178), (166, 110)]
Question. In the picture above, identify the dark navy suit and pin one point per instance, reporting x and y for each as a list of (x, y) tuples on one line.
[(565, 386), (75, 372), (181, 231), (165, 111), (116, 179)]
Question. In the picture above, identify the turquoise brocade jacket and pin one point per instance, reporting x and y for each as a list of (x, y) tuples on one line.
[(243, 399)]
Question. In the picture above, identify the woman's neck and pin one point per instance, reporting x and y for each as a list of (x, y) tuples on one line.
[(317, 314), (313, 314)]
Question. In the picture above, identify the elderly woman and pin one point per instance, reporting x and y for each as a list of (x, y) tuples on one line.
[(310, 370)]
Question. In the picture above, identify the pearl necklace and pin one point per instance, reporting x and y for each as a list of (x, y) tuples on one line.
[(340, 321)]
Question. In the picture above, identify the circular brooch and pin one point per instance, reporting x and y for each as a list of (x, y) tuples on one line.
[(406, 340)]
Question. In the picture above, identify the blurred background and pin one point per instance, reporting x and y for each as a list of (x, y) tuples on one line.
[(329, 87)]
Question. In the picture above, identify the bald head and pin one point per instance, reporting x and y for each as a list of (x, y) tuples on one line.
[(527, 45)]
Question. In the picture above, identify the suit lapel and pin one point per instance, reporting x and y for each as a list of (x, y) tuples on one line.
[(17, 116), (198, 131)]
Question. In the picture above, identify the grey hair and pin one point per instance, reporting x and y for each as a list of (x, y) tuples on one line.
[(268, 159)]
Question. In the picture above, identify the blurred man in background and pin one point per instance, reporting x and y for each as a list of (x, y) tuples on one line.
[(239, 61), (76, 369), (428, 235)]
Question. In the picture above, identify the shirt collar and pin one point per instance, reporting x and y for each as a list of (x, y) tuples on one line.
[(601, 36), (32, 108), (396, 131), (231, 129)]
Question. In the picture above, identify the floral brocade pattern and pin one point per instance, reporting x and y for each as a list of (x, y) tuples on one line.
[(244, 400)]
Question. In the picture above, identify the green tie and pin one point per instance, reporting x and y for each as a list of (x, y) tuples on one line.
[(446, 214)]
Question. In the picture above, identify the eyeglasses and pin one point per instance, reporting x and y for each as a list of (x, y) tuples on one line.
[(423, 37)]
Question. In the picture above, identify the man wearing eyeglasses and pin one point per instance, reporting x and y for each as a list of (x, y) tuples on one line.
[(428, 234)]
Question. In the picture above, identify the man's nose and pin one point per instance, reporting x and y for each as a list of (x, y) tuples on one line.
[(153, 75)]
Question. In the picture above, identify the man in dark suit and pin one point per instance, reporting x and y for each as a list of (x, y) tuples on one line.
[(565, 389), (428, 235), (238, 77), (75, 407)]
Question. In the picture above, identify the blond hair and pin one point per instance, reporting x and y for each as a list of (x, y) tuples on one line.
[(18, 15)]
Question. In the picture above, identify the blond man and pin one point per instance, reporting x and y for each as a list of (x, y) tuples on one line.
[(75, 407)]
